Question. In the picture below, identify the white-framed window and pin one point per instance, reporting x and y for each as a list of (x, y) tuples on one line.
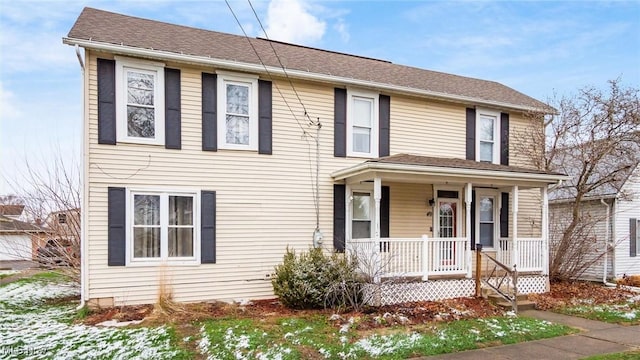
[(487, 218), (362, 124), (162, 226), (237, 111), (487, 136), (139, 101)]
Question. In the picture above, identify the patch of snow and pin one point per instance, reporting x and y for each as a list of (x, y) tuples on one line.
[(35, 332), (9, 272), (116, 323), (335, 317), (21, 293)]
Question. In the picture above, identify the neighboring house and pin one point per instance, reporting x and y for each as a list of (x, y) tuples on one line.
[(610, 227), (18, 239), (64, 224), (201, 165)]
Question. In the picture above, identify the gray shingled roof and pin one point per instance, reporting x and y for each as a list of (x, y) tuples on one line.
[(8, 225), (408, 159), (102, 27)]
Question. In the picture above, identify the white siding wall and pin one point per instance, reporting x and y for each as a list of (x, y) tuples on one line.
[(593, 237), (264, 202), (626, 209), (15, 247)]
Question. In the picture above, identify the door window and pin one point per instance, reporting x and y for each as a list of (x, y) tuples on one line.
[(361, 223)]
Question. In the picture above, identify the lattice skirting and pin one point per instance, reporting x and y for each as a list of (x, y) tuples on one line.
[(533, 284), (433, 290)]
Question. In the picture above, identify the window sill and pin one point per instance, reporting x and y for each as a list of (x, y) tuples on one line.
[(157, 263), (361, 155), (140, 141)]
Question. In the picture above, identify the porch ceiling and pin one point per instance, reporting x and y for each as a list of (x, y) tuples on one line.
[(425, 169)]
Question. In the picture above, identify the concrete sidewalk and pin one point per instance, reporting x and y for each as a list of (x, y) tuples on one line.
[(595, 338)]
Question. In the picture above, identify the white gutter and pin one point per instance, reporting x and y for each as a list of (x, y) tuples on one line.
[(84, 276), (448, 171), (299, 74)]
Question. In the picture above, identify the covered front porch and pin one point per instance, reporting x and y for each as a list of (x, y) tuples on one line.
[(420, 218)]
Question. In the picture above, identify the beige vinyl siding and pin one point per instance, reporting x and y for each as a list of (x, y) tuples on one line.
[(626, 209), (408, 210), (264, 202), (427, 128)]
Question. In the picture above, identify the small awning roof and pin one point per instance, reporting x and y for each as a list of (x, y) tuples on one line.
[(426, 169)]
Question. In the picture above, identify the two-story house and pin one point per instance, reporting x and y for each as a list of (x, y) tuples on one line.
[(204, 162)]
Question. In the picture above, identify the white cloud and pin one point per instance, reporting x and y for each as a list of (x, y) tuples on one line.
[(8, 110), (343, 29), (291, 21)]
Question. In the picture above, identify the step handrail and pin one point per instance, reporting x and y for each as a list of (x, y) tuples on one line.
[(510, 273)]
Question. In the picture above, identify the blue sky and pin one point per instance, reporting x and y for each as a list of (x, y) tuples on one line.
[(537, 47)]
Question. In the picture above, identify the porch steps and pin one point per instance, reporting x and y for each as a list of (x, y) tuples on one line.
[(522, 301)]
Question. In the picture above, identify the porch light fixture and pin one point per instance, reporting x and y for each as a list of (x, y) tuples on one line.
[(431, 202)]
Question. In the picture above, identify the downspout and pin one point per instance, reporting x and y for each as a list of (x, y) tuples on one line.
[(84, 201), (606, 243)]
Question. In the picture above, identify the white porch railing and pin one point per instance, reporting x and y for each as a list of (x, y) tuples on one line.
[(530, 253), (393, 257)]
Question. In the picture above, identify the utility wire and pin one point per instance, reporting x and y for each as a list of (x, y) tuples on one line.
[(284, 69), (304, 131), (315, 185)]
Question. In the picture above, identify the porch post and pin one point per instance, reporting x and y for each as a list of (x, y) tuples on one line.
[(377, 195), (545, 230), (516, 247), (468, 225)]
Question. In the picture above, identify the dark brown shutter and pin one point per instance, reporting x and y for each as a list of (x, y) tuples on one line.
[(339, 218), (384, 119), (172, 126), (504, 138), (209, 110), (504, 216), (106, 102), (264, 117), (385, 201), (471, 134), (208, 227), (473, 220), (116, 220), (340, 123), (633, 237)]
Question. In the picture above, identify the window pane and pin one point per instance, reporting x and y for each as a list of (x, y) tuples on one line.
[(361, 206), (361, 230), (362, 112), (237, 130), (486, 128), (146, 242), (146, 210), (486, 234), (361, 140), (180, 210), (140, 121), (139, 88), (180, 242), (486, 151), (237, 99), (486, 209)]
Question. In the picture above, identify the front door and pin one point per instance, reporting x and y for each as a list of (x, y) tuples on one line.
[(447, 228)]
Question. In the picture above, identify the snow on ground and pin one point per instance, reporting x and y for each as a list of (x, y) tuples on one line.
[(30, 329), (8, 272)]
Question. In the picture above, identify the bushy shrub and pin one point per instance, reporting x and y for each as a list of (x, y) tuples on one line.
[(314, 280)]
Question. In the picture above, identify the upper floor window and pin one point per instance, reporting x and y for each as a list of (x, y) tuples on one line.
[(488, 141), (238, 112), (362, 124), (140, 101), (162, 226)]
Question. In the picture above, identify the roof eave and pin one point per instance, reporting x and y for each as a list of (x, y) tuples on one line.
[(446, 171), (299, 74)]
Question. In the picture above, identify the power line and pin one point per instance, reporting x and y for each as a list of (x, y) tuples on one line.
[(304, 131)]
